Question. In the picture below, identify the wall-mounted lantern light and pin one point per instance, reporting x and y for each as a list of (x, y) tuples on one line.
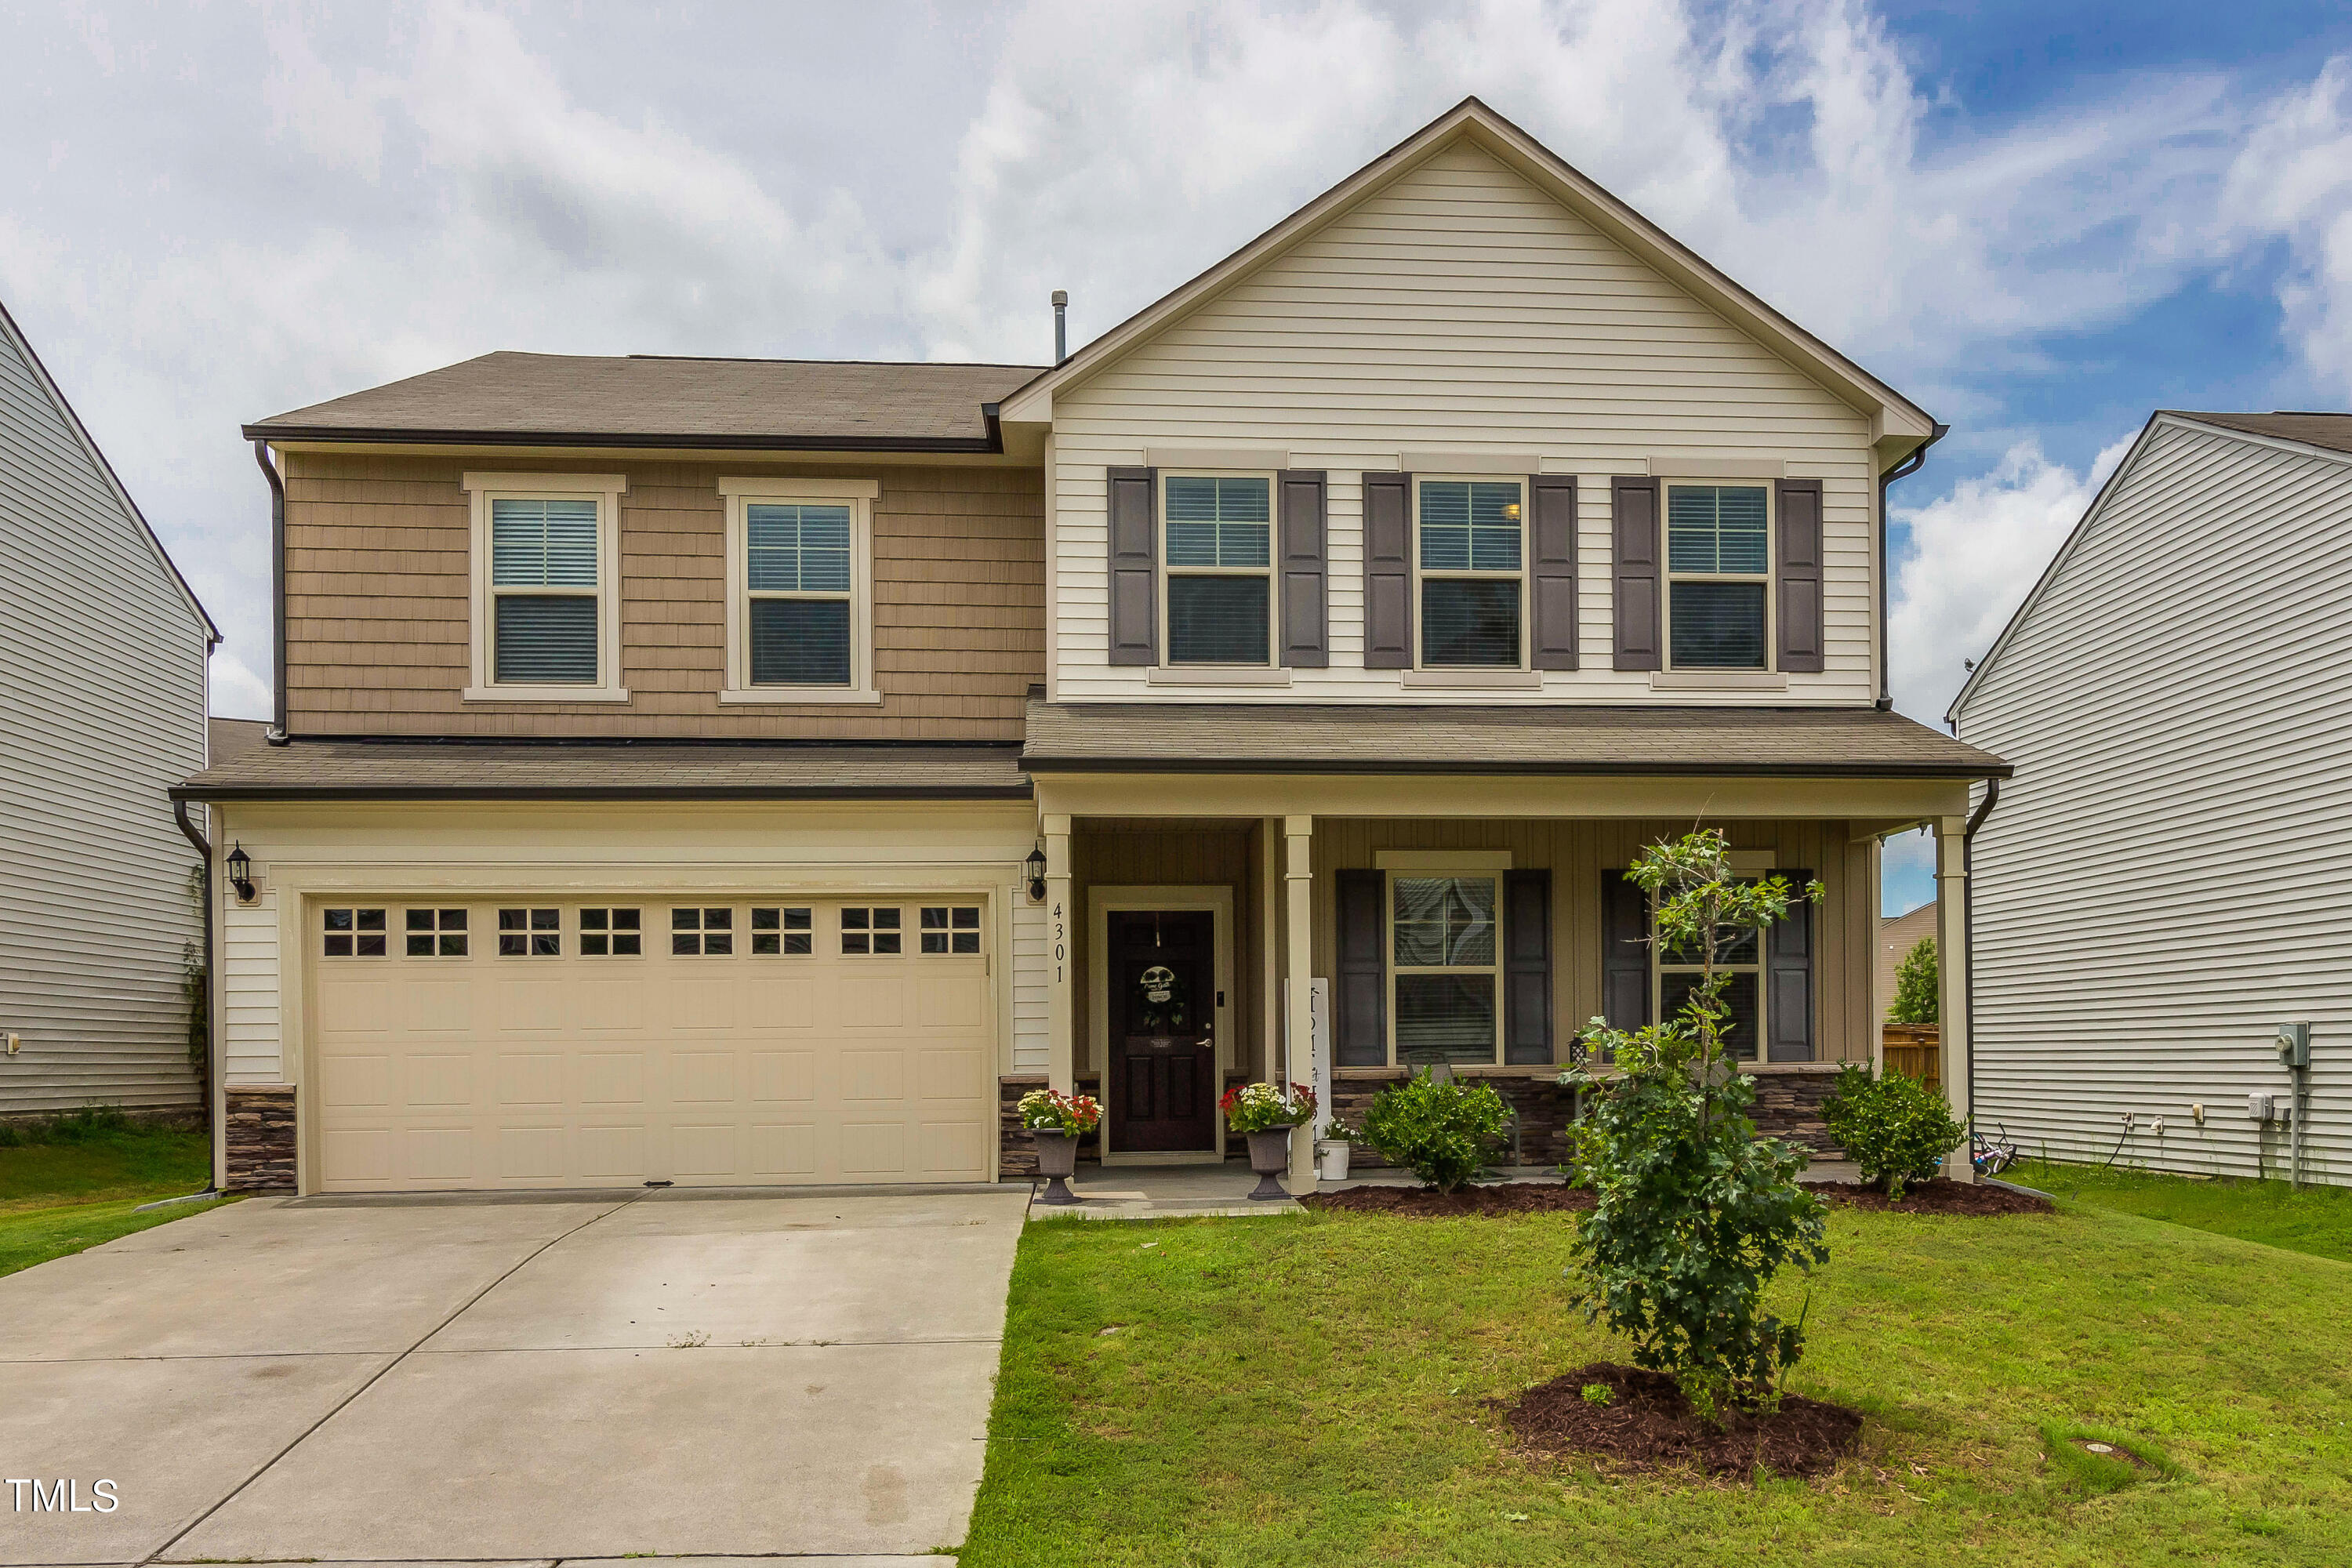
[(240, 873), (1037, 875)]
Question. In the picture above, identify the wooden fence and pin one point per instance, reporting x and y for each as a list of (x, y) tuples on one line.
[(1914, 1050)]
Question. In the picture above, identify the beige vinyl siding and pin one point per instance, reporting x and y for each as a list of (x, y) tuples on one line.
[(1031, 1040), (379, 595), (102, 693), (2169, 877), (249, 991), (1460, 310), (1577, 853)]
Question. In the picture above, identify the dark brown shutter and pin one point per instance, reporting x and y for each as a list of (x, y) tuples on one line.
[(1796, 576), (1633, 573), (1387, 572), (1789, 980), (1306, 637), (1551, 571), (1527, 967), (1134, 566), (1359, 1010), (1625, 952)]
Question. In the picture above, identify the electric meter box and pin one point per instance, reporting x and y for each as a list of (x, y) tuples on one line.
[(2294, 1044)]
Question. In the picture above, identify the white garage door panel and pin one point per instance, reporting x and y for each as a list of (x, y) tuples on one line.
[(570, 1068)]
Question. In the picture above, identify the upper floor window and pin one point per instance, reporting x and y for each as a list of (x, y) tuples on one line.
[(546, 601), (1473, 579), (1719, 576), (1216, 537), (799, 596)]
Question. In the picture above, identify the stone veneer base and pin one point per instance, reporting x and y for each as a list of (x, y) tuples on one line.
[(259, 1134)]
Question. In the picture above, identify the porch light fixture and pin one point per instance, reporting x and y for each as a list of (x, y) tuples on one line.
[(240, 873), (1037, 864)]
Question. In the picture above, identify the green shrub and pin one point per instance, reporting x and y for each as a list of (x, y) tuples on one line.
[(1917, 992), (1441, 1133), (1895, 1128), (1694, 1213)]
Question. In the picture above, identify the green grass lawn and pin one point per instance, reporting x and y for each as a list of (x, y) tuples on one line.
[(77, 1185), (2317, 1220), (1308, 1390)]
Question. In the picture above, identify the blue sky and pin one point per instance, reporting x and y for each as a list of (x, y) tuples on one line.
[(2040, 220)]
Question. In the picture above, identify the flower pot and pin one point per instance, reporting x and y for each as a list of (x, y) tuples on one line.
[(1057, 1160), (1331, 1159), (1269, 1157)]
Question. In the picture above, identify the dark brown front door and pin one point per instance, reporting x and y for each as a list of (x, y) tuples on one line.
[(1163, 1048)]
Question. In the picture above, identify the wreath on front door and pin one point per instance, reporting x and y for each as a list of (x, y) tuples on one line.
[(1162, 1003)]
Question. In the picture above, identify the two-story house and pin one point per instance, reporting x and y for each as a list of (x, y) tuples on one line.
[(727, 771)]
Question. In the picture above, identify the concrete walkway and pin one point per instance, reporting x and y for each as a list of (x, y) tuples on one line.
[(541, 1378)]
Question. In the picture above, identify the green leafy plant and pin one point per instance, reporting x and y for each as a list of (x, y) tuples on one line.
[(1917, 989), (1893, 1127), (1443, 1133), (1695, 1213), (1596, 1393)]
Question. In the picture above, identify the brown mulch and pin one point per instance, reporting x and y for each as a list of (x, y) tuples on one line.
[(1421, 1203), (1936, 1196), (1647, 1425)]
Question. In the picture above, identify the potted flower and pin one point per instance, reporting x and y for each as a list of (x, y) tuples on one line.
[(1331, 1152), (1056, 1121), (1267, 1113)]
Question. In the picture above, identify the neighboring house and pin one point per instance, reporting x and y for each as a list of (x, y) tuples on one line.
[(1897, 937), (102, 699), (674, 743), (2168, 878)]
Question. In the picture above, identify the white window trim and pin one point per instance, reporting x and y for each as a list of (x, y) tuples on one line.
[(1167, 671), (1418, 863), (861, 495), (1701, 677), (608, 489), (1467, 674)]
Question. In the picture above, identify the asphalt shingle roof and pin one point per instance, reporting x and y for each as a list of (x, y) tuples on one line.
[(2332, 431)]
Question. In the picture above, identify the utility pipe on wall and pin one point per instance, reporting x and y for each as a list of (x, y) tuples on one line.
[(1968, 927), (1902, 471), (276, 734)]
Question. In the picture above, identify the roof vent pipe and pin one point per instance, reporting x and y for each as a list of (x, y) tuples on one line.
[(1061, 325)]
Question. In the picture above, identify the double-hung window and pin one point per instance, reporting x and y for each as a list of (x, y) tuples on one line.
[(799, 592), (1444, 965), (1678, 971), (1719, 576), (546, 601), (1216, 533), (1469, 543)]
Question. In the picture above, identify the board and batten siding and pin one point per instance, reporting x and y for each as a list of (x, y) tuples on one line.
[(379, 600), (102, 694), (2169, 876), (1460, 310)]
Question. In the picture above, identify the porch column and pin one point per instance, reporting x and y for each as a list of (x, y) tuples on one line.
[(1061, 1024), (1952, 978), (1298, 968)]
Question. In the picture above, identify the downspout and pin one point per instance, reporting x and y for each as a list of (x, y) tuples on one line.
[(276, 734), (1969, 931), (211, 982), (1902, 471)]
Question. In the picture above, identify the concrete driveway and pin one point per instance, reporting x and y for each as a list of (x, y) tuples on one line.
[(536, 1378)]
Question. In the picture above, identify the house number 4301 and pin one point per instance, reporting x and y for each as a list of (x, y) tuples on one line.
[(1060, 936)]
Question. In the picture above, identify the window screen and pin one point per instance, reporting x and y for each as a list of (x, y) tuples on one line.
[(1467, 622), (546, 640), (1217, 620), (800, 642)]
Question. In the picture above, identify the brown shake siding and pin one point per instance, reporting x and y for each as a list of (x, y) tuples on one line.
[(378, 595)]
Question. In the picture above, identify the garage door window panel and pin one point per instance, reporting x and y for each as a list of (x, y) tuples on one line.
[(436, 933), (612, 933), (950, 929), (783, 933), (701, 931), (870, 931), (354, 933), (530, 933)]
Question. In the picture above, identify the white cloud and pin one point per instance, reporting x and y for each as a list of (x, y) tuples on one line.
[(2293, 178), (1972, 557)]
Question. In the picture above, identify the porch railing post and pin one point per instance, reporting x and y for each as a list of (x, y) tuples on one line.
[(1298, 969), (1952, 977)]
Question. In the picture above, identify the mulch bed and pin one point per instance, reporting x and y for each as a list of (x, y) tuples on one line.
[(1647, 1425), (1420, 1203), (1936, 1196)]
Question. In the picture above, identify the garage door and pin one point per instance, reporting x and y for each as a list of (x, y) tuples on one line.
[(557, 1044)]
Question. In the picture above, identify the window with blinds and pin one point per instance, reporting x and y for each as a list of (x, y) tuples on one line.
[(1217, 532), (1445, 969), (1470, 567), (1719, 576), (799, 574), (544, 580)]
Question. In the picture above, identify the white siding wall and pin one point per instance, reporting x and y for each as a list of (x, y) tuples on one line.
[(1459, 310), (101, 712), (2170, 875), (249, 992), (1032, 1043)]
